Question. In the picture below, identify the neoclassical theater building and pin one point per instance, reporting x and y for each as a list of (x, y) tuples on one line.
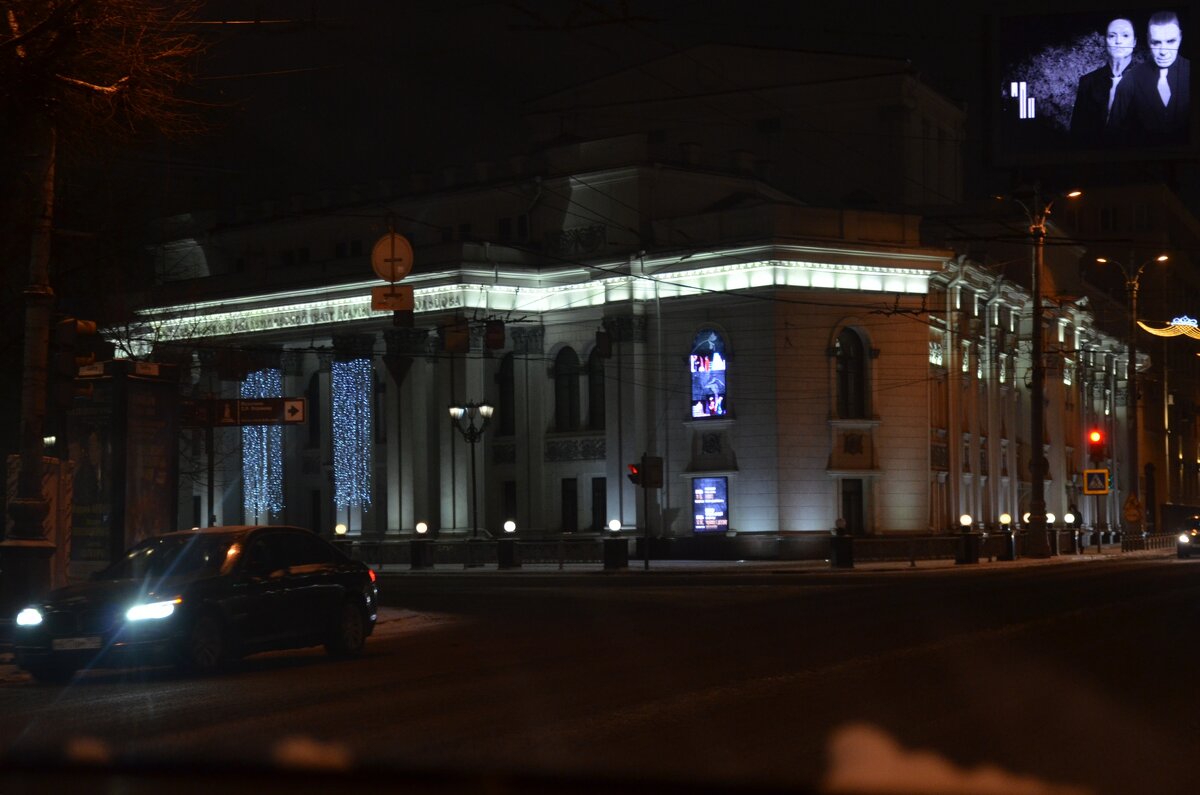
[(794, 357)]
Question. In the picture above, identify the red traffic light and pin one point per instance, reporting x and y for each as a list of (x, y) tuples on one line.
[(635, 475), (1096, 437), (1097, 448)]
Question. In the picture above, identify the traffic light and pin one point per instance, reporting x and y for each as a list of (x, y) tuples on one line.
[(1097, 445), (648, 474), (72, 347)]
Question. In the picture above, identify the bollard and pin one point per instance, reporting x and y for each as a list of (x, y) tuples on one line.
[(616, 553), (841, 552), (507, 556), (968, 548), (420, 554)]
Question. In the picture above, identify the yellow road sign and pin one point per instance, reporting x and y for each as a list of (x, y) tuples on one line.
[(1095, 481)]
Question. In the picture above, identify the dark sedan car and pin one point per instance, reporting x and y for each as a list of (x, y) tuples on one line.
[(199, 598)]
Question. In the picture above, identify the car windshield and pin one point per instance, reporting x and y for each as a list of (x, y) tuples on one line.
[(171, 556)]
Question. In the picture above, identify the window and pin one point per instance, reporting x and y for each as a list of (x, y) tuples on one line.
[(566, 390), (508, 397), (851, 375), (570, 505), (596, 405), (1109, 219), (709, 370)]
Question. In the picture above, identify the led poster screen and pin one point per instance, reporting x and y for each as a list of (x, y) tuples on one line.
[(708, 370), (710, 506), (1092, 86)]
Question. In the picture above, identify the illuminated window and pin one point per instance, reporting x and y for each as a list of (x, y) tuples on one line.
[(709, 372)]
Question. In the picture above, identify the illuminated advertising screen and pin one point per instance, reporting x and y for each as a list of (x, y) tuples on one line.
[(1094, 85), (708, 370), (710, 506)]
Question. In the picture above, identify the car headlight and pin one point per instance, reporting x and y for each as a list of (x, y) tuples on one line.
[(29, 617), (1184, 539), (151, 610)]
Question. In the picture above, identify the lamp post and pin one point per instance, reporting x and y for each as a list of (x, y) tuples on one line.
[(1131, 403), (463, 418), (1037, 543)]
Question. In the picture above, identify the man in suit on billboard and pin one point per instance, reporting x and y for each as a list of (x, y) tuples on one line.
[(1092, 120), (1157, 105)]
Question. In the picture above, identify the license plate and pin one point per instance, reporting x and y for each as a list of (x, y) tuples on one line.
[(70, 644)]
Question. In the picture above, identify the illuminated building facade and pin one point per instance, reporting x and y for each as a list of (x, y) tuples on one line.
[(661, 293)]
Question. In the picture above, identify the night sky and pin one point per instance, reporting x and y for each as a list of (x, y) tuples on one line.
[(355, 90)]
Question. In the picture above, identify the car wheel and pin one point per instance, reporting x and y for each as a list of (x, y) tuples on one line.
[(205, 647), (349, 632), (52, 673)]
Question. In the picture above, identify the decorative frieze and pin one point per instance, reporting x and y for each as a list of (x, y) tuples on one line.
[(626, 328), (527, 339), (587, 448), (580, 240)]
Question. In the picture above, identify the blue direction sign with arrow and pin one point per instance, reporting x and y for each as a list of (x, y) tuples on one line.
[(247, 411)]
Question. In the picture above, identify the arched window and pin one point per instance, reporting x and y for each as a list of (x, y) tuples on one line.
[(566, 390), (596, 406), (508, 397), (709, 371), (851, 375)]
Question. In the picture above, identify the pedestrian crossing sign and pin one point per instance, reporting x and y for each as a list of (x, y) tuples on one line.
[(1095, 481)]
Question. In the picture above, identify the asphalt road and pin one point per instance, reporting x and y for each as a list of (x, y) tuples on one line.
[(1074, 674)]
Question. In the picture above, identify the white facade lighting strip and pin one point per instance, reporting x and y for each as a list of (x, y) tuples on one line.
[(352, 302)]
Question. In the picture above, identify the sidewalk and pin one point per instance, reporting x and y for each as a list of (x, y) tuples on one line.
[(637, 566)]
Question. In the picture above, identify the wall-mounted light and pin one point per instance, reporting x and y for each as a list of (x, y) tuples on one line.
[(422, 528), (339, 529), (510, 526)]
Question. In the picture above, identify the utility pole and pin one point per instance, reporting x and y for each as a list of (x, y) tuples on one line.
[(1036, 543), (26, 551)]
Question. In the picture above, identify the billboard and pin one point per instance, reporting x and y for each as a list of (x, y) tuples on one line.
[(1095, 85), (710, 505)]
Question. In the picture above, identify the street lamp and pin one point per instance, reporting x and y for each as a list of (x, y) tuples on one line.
[(1131, 410), (1037, 542), (463, 418)]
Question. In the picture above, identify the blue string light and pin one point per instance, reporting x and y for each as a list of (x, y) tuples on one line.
[(262, 450), (352, 440)]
